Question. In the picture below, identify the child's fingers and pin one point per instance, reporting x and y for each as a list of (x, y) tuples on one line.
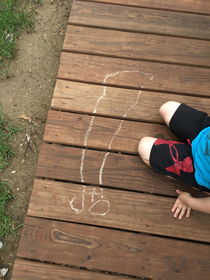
[(182, 212), (178, 209), (176, 204), (179, 192), (188, 212)]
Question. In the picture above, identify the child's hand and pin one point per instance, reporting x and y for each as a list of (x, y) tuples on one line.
[(180, 205)]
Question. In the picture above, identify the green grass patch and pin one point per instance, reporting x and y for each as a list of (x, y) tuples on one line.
[(7, 134), (15, 16), (7, 224)]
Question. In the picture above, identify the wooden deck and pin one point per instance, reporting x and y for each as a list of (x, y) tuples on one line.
[(95, 205)]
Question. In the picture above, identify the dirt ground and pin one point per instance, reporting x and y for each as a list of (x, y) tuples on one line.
[(28, 92)]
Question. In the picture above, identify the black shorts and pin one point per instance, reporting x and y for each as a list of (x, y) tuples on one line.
[(174, 159)]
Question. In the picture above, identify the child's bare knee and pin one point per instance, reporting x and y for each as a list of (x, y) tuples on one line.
[(166, 107), (142, 145), (144, 148), (167, 110)]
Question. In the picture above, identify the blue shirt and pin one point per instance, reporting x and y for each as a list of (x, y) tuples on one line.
[(201, 156)]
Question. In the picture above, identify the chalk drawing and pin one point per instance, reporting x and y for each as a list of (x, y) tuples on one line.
[(102, 168), (91, 210), (82, 164), (93, 193), (121, 122), (99, 201), (82, 198)]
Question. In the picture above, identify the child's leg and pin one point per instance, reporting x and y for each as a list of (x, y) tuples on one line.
[(172, 158), (167, 110), (144, 148), (145, 145)]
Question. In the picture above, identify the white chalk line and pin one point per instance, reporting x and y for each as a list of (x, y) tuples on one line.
[(110, 144), (105, 157), (77, 211), (100, 214), (82, 165), (120, 126), (126, 71), (91, 209), (102, 168), (95, 110)]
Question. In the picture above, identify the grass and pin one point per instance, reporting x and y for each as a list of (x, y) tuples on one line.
[(7, 224), (15, 16), (7, 133)]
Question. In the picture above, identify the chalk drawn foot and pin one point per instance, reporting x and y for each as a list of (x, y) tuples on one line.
[(100, 207), (77, 204)]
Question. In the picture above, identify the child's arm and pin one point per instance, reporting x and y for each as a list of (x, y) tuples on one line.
[(185, 202)]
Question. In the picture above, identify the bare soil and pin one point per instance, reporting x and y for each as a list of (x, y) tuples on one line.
[(28, 92)]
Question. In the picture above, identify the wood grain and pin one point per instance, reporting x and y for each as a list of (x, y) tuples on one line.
[(33, 270), (106, 134), (143, 20), (112, 250), (99, 202), (193, 6), (115, 209), (137, 46), (134, 74), (83, 98), (119, 171)]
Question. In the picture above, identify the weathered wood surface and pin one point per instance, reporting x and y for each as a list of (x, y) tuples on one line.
[(118, 171), (113, 250), (140, 20), (115, 209), (137, 46), (134, 74), (193, 6), (96, 203), (83, 98), (106, 133), (30, 270)]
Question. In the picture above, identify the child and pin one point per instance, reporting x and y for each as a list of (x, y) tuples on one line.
[(187, 161)]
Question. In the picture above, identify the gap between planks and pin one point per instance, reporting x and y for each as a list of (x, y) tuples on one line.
[(144, 47), (118, 209), (113, 250), (140, 20)]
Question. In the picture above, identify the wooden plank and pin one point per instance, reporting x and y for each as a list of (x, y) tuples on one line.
[(106, 134), (115, 209), (31, 270), (134, 74), (137, 46), (193, 6), (99, 168), (140, 20), (112, 250), (83, 98)]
